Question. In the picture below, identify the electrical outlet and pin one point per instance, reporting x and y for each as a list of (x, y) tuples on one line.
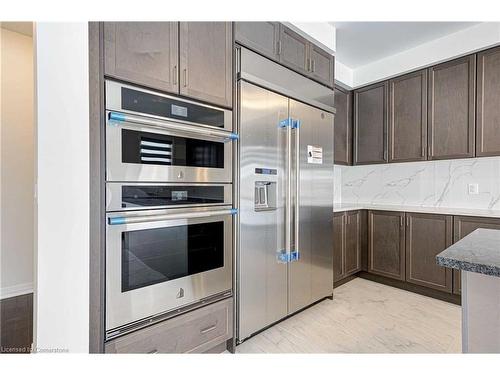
[(473, 189)]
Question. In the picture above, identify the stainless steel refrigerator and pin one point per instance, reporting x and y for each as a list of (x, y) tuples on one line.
[(285, 194)]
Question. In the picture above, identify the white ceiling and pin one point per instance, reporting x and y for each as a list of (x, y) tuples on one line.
[(360, 43), (25, 28)]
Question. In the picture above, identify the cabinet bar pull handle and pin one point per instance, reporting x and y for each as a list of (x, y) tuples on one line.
[(429, 149), (313, 65), (279, 47), (185, 77), (175, 75), (208, 329), (401, 219), (407, 221)]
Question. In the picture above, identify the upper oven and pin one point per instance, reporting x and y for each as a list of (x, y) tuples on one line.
[(153, 137)]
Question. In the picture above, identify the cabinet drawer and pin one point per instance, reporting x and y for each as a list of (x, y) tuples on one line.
[(193, 332)]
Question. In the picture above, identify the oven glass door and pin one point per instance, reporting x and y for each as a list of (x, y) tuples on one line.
[(155, 264), (137, 152), (153, 256)]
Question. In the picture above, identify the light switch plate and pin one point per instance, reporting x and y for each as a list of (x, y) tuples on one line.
[(473, 189)]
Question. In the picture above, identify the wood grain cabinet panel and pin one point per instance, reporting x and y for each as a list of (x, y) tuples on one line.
[(338, 246), (206, 61), (321, 66), (488, 100), (294, 51), (262, 37), (451, 109), (462, 226), (145, 53), (370, 124), (343, 127), (352, 258), (193, 332), (386, 244), (426, 236), (408, 117)]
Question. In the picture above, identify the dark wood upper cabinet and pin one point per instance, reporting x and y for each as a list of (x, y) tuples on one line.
[(426, 236), (294, 50), (386, 244), (338, 246), (370, 124), (145, 53), (343, 127), (262, 37), (464, 225), (488, 99), (206, 61), (321, 65), (408, 117), (352, 257), (451, 109)]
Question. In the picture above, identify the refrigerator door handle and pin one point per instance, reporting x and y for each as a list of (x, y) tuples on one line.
[(297, 189), (288, 202)]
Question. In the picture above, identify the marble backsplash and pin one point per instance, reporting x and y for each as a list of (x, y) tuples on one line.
[(440, 183)]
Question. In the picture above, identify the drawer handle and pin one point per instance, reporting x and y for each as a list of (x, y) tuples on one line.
[(208, 329)]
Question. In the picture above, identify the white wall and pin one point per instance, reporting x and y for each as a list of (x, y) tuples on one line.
[(344, 75), (62, 254), (322, 32), (16, 164), (453, 45)]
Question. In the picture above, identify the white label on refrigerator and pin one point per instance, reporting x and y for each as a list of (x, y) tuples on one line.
[(314, 154)]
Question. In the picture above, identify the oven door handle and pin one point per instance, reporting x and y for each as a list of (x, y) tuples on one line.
[(117, 117), (120, 220)]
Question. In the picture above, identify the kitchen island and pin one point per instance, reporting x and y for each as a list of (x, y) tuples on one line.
[(477, 255)]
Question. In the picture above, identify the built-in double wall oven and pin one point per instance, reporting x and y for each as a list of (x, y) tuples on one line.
[(169, 212)]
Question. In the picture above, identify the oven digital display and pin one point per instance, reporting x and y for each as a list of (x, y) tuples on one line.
[(179, 195), (177, 110)]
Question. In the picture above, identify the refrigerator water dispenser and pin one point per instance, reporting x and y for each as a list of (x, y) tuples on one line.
[(265, 196)]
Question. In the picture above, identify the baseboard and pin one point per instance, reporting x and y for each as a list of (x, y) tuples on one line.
[(16, 290), (428, 292), (344, 280)]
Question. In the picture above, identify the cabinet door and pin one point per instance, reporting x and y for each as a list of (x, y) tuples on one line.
[(464, 225), (338, 246), (426, 236), (293, 50), (352, 243), (451, 109), (370, 124), (262, 37), (206, 61), (408, 117), (386, 244), (321, 65), (343, 127), (488, 99), (145, 53)]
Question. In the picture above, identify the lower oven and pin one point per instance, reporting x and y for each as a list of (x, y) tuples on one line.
[(161, 261)]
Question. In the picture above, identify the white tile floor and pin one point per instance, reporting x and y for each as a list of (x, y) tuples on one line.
[(365, 317)]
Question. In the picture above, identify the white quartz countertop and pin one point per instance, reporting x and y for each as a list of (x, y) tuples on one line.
[(342, 207)]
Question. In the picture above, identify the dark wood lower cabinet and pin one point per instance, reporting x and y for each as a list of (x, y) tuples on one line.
[(399, 249), (426, 236), (386, 244), (338, 246), (352, 259), (348, 231), (462, 226)]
